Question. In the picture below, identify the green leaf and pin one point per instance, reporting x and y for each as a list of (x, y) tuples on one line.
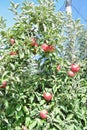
[(57, 126), (17, 79), (17, 128), (6, 103), (5, 74), (6, 120), (21, 55), (18, 114), (32, 126), (18, 107), (27, 121), (16, 6), (26, 109), (69, 117), (12, 66)]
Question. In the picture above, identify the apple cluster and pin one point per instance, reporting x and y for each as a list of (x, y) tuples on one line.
[(48, 97), (46, 48), (73, 70)]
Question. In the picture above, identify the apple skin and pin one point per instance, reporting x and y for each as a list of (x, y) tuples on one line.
[(47, 48), (12, 53), (47, 96), (4, 84), (43, 114), (34, 43), (75, 68), (44, 47), (12, 41), (51, 48), (71, 73), (58, 67)]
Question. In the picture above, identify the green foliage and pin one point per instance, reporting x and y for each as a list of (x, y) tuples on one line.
[(31, 71)]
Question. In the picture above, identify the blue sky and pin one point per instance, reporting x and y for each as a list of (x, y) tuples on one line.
[(79, 10)]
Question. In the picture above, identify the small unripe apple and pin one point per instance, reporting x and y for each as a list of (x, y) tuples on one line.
[(47, 96), (43, 114)]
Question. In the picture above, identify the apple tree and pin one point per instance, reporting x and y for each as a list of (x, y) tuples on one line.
[(43, 81)]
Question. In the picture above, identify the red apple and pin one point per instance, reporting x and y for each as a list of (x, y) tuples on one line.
[(12, 53), (58, 67), (75, 68), (47, 96), (47, 48), (51, 48), (34, 43), (71, 73), (43, 114), (4, 84), (12, 41)]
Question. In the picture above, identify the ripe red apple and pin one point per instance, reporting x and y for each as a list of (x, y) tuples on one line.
[(12, 41), (58, 67), (47, 96), (47, 48), (34, 43), (51, 48), (12, 53), (71, 73), (44, 47), (4, 84), (75, 68), (43, 114)]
